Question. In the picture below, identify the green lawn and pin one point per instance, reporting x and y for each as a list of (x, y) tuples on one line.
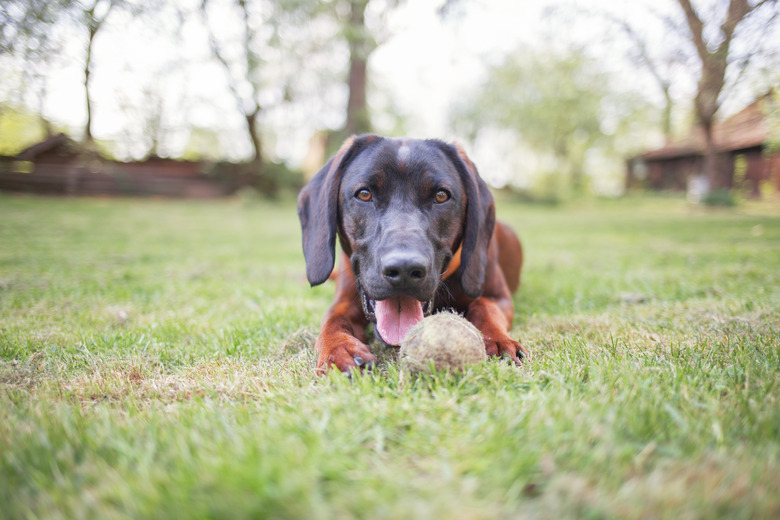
[(156, 362)]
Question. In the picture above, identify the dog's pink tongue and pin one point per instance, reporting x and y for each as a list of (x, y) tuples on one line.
[(395, 316)]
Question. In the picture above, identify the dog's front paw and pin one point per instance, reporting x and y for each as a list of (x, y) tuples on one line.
[(506, 348), (343, 352)]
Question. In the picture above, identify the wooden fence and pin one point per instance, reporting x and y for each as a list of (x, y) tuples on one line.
[(110, 179)]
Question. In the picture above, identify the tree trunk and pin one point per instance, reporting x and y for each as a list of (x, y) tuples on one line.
[(254, 136), (88, 140), (94, 24), (45, 123), (358, 119), (713, 73), (357, 111), (666, 115), (709, 159)]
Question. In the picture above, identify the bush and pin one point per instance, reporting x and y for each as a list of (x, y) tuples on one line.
[(720, 197), (269, 180)]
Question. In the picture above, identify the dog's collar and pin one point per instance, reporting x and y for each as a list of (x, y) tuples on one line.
[(453, 265)]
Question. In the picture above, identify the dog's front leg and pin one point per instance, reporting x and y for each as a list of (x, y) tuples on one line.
[(492, 314), (486, 315), (342, 339)]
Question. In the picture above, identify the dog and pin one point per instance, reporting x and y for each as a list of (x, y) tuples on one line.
[(417, 229)]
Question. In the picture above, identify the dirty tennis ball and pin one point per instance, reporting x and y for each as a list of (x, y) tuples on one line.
[(445, 340)]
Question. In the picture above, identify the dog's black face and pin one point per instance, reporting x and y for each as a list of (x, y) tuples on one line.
[(402, 206)]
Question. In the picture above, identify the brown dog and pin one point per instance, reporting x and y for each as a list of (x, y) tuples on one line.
[(417, 229)]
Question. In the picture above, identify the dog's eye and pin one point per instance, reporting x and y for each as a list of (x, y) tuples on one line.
[(364, 195), (442, 196)]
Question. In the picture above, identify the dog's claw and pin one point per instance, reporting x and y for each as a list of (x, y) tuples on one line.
[(364, 366), (360, 367), (509, 350), (512, 360)]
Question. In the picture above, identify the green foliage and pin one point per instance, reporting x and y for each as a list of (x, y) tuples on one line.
[(547, 188), (772, 112), (19, 129), (563, 108), (156, 361), (26, 26), (720, 197), (202, 145), (552, 102), (270, 180)]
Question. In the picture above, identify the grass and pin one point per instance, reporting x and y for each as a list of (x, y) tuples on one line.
[(156, 361)]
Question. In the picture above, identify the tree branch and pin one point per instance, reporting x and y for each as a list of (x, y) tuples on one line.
[(697, 28), (217, 52)]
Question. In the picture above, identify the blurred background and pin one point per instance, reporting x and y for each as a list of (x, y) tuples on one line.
[(554, 99)]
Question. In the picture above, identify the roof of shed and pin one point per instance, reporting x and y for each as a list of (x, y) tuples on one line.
[(60, 143), (745, 129)]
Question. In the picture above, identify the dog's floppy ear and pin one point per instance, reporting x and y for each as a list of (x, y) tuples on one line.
[(478, 225), (318, 210)]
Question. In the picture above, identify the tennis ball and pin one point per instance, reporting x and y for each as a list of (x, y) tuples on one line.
[(446, 339)]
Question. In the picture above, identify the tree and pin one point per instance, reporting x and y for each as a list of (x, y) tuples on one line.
[(362, 38), (553, 103), (29, 29), (264, 39), (250, 71), (361, 45), (271, 44), (92, 17), (26, 32), (714, 48), (19, 128), (660, 68)]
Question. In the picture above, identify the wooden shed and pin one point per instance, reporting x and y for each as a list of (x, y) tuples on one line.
[(743, 158), (60, 165)]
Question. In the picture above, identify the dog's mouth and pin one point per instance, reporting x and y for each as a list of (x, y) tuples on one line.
[(394, 316)]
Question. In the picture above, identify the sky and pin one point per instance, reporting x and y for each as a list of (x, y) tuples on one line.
[(426, 65)]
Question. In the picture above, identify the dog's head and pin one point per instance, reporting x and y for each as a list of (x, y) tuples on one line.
[(401, 209)]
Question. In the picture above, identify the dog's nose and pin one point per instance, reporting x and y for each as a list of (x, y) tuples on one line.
[(404, 270)]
